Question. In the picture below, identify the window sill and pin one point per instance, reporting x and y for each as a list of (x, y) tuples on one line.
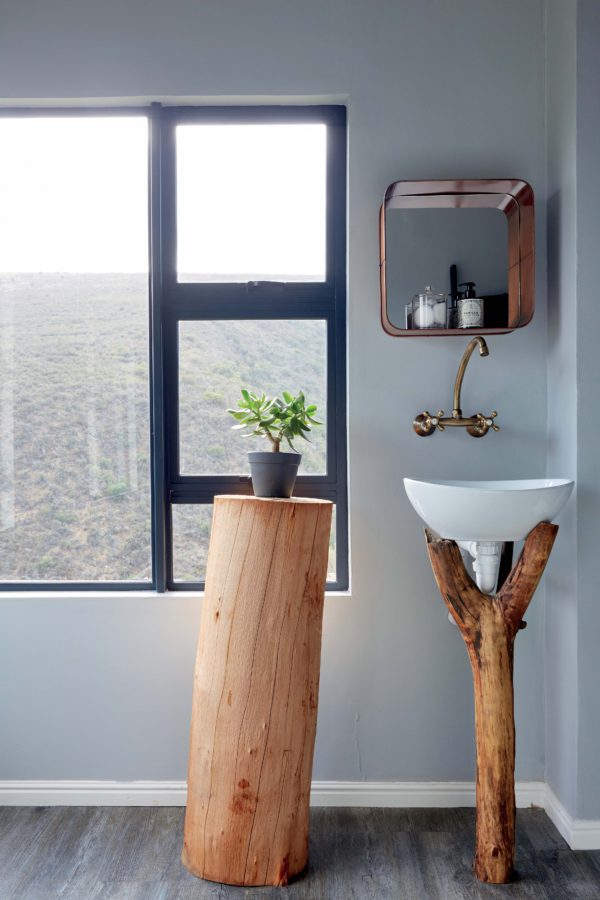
[(120, 595)]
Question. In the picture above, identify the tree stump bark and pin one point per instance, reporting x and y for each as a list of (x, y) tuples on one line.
[(256, 686), (489, 625)]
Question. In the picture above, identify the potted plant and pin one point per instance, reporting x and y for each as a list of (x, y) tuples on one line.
[(276, 419)]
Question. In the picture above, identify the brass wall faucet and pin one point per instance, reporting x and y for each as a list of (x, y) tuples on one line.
[(477, 425)]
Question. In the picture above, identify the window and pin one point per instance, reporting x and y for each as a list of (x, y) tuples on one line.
[(119, 353), (75, 493)]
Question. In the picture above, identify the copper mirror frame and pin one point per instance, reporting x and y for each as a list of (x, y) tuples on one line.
[(514, 198)]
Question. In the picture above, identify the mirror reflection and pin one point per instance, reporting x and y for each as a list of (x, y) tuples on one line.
[(446, 268)]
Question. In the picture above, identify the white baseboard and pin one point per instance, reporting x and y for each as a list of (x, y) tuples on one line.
[(580, 834), (427, 794), (93, 793), (404, 794)]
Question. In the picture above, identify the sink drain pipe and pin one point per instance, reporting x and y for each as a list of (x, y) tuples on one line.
[(486, 556)]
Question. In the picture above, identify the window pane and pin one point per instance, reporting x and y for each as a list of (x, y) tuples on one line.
[(191, 533), (331, 563), (217, 359), (251, 202), (74, 435)]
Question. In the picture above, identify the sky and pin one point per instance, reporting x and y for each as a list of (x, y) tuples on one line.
[(73, 195), (250, 198)]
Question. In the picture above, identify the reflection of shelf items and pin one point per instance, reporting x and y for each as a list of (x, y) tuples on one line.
[(427, 310), (469, 307), (465, 310), (456, 309), (495, 311), (487, 225)]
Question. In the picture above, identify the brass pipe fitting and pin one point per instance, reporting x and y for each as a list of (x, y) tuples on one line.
[(462, 368), (477, 425)]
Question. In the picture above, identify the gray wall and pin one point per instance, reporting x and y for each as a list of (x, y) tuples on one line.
[(100, 688), (572, 609), (561, 577), (588, 457)]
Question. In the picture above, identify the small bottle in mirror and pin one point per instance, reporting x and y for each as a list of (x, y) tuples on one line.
[(470, 307), (429, 309), (452, 317)]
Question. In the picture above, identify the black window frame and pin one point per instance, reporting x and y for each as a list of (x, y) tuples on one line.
[(171, 301)]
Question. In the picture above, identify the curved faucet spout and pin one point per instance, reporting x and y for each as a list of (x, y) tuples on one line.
[(477, 425), (483, 351)]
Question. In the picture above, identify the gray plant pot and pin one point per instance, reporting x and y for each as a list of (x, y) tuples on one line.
[(274, 474)]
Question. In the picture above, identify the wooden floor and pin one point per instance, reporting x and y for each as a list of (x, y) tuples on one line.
[(80, 853)]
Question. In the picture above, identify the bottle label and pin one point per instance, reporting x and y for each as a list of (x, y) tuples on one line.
[(470, 313)]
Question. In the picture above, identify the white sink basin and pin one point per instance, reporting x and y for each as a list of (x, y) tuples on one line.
[(487, 510)]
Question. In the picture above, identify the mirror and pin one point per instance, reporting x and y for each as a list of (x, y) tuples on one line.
[(456, 256)]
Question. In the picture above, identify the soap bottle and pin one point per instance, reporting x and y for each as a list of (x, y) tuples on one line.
[(470, 307)]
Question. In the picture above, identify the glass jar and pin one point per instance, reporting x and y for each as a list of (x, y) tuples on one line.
[(429, 309)]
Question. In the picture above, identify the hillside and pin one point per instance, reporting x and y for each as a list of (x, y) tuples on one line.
[(74, 424)]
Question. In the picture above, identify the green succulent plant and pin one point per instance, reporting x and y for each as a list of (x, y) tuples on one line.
[(275, 418)]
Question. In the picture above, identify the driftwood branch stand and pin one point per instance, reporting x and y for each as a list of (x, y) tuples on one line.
[(255, 691), (489, 625)]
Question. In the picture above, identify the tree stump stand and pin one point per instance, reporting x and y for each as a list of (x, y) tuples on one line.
[(256, 687), (489, 625)]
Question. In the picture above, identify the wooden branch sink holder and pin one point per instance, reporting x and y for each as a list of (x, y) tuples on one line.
[(489, 625)]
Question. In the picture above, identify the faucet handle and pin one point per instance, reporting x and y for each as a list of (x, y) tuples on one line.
[(491, 423), (483, 424), (435, 420), (425, 424)]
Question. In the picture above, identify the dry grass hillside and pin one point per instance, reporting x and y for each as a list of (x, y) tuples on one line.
[(74, 423)]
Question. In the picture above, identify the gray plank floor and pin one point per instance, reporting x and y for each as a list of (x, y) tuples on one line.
[(127, 853)]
